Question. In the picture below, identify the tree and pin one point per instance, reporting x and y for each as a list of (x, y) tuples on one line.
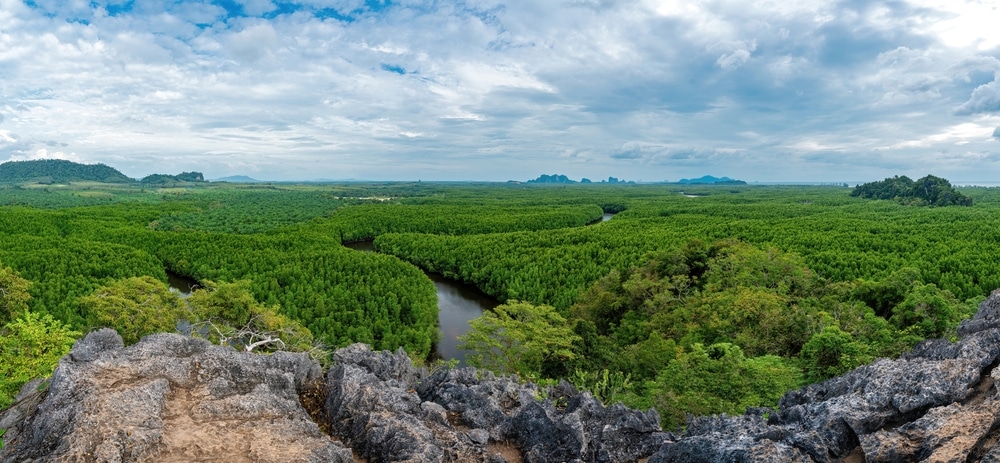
[(134, 307), (719, 379), (932, 312), (519, 337), (831, 352), (14, 294), (228, 314), (30, 347)]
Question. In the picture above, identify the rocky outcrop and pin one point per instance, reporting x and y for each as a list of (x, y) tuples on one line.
[(939, 402), (176, 399), (387, 410), (168, 398)]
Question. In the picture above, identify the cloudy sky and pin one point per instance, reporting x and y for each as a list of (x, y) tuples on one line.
[(648, 90)]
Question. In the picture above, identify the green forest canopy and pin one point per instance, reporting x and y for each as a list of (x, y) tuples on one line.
[(59, 171), (927, 191), (659, 299)]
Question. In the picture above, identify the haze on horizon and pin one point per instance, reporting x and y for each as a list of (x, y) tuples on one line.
[(645, 90)]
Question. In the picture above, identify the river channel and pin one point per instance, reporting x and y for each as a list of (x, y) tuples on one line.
[(457, 304)]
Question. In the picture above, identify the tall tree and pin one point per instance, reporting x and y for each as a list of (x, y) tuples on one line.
[(519, 337)]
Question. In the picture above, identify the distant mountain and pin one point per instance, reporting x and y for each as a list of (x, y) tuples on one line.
[(554, 178), (59, 171), (617, 180), (163, 179), (708, 179), (238, 179)]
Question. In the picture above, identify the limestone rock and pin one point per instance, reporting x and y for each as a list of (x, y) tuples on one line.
[(387, 410), (171, 398)]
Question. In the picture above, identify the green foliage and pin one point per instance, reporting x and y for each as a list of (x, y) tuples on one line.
[(831, 352), (760, 299), (367, 221), (608, 386), (162, 179), (718, 379), (245, 210), (14, 295), (927, 191), (134, 307), (930, 312), (229, 314), (30, 347), (518, 337), (59, 171)]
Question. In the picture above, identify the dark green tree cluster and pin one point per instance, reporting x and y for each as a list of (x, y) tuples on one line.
[(367, 221), (59, 171), (246, 210), (715, 328), (927, 191), (164, 179)]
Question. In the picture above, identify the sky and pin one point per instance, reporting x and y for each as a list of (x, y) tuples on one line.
[(643, 90)]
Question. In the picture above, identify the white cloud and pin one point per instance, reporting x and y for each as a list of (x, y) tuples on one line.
[(734, 54), (593, 87), (968, 23), (984, 99)]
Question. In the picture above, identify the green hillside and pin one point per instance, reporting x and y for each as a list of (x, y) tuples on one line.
[(59, 171)]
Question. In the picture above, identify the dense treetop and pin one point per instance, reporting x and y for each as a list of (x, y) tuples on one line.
[(59, 171), (161, 179), (927, 191)]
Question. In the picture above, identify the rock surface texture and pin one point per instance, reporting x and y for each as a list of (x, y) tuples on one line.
[(387, 410), (168, 398), (173, 398), (938, 403)]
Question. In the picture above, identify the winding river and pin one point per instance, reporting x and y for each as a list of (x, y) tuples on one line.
[(457, 304)]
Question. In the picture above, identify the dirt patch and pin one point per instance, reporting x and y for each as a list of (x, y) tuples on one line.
[(186, 439), (506, 450), (856, 456)]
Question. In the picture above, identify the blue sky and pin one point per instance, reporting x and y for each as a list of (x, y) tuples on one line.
[(647, 90)]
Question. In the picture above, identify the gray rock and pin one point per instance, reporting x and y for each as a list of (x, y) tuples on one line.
[(387, 410), (171, 398), (988, 316)]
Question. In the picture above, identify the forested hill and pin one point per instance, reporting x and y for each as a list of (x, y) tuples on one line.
[(163, 179), (59, 171), (927, 191)]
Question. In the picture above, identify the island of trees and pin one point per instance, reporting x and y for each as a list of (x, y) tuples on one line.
[(688, 306), (927, 191)]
